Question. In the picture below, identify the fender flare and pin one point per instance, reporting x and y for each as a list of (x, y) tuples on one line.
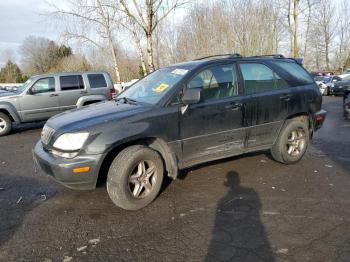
[(11, 111), (82, 100)]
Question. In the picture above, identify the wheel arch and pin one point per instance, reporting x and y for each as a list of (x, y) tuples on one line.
[(89, 99), (302, 115), (157, 144), (307, 116), (11, 113)]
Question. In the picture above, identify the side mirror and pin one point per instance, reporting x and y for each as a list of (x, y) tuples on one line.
[(191, 96)]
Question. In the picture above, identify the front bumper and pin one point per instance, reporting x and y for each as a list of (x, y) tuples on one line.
[(61, 169), (319, 118)]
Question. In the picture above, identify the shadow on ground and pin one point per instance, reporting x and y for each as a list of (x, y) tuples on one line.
[(238, 232)]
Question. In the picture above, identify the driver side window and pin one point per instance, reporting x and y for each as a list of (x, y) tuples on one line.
[(44, 85), (216, 82)]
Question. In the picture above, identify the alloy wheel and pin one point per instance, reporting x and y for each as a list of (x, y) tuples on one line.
[(3, 125), (142, 179), (296, 142)]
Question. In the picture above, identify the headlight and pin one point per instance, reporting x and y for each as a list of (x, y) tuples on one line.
[(71, 141)]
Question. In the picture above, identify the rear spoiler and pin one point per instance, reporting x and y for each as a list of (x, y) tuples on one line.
[(298, 60)]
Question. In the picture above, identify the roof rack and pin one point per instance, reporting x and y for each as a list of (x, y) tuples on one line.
[(227, 55)]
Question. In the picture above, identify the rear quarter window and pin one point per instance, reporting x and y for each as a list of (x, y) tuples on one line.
[(298, 76), (97, 80)]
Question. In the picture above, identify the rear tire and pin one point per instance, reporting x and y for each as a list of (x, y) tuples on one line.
[(5, 124), (135, 177), (292, 141)]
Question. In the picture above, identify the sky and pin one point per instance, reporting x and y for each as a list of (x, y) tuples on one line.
[(22, 18)]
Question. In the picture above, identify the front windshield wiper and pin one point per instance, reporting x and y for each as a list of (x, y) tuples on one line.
[(127, 100)]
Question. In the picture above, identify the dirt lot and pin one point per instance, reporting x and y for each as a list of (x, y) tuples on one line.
[(247, 208)]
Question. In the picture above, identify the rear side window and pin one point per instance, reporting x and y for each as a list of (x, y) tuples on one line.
[(73, 82), (299, 76), (97, 80), (260, 78)]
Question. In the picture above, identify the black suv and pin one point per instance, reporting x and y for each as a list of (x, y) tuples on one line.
[(181, 116)]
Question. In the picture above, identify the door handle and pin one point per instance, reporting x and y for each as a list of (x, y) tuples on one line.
[(83, 92), (286, 97), (234, 106), (52, 95)]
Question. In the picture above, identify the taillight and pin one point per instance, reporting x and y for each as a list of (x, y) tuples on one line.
[(112, 90)]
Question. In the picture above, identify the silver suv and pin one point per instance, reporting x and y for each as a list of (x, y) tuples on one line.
[(43, 96)]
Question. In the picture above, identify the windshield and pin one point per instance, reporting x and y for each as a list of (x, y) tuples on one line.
[(153, 87), (21, 88)]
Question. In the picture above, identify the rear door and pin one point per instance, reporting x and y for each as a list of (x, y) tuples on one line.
[(213, 128), (267, 104), (41, 102), (71, 89)]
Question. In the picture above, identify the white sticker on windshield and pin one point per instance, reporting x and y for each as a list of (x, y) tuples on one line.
[(179, 71)]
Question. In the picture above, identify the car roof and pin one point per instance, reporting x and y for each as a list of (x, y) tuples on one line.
[(69, 73), (230, 58)]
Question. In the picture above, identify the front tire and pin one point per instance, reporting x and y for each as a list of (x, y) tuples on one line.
[(292, 142), (5, 124), (135, 177)]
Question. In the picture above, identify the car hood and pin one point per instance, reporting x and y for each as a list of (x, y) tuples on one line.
[(94, 115), (7, 94)]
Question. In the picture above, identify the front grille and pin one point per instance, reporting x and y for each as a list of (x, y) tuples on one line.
[(46, 134)]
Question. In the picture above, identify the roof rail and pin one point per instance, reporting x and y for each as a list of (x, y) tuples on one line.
[(273, 56), (227, 55)]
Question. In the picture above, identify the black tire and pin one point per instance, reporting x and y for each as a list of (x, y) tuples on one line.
[(327, 91), (282, 151), (124, 167), (5, 124)]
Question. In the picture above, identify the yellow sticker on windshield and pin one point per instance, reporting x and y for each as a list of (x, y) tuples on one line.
[(160, 88)]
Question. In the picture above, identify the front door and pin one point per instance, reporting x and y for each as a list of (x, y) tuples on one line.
[(213, 128), (41, 102)]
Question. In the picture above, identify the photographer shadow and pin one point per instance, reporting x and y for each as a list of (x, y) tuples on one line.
[(239, 234)]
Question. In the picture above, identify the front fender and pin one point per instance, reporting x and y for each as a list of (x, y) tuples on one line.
[(82, 100), (11, 110)]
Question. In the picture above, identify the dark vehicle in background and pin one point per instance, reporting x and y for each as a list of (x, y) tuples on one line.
[(340, 88), (326, 83), (180, 116), (46, 95)]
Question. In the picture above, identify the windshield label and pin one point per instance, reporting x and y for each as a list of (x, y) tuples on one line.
[(179, 71), (161, 88)]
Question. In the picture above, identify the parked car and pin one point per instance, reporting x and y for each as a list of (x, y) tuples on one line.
[(43, 96), (180, 116), (340, 88), (346, 105), (326, 83)]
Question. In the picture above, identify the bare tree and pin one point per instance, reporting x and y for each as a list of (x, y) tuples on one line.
[(343, 41), (148, 15), (94, 22), (325, 21)]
